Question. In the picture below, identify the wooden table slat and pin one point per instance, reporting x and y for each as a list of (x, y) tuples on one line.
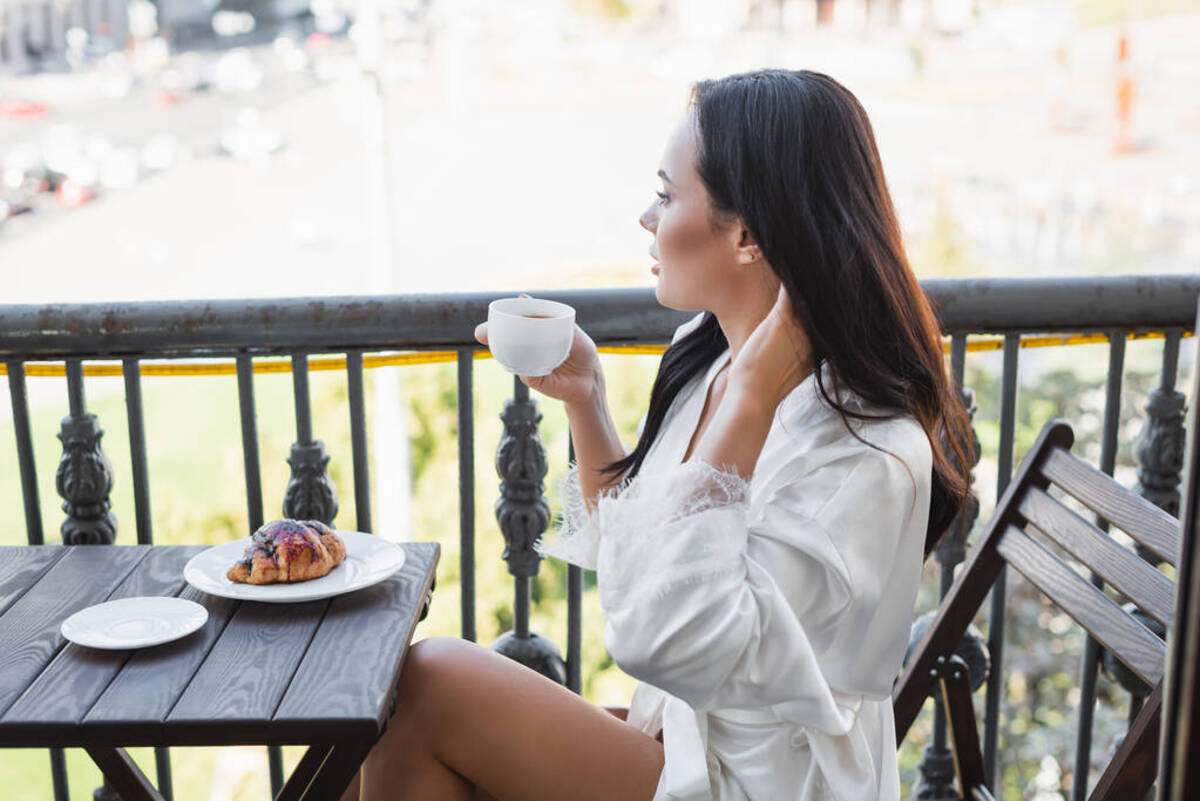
[(131, 711), (370, 627), (243, 678), (29, 629), (20, 568), (67, 688)]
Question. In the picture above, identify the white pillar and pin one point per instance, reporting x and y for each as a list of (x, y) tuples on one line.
[(390, 448)]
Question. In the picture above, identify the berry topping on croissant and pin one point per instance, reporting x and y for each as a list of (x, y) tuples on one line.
[(288, 551)]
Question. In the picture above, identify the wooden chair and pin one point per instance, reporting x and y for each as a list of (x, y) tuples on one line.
[(1024, 517)]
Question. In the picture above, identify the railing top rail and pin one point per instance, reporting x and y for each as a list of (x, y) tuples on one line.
[(611, 316)]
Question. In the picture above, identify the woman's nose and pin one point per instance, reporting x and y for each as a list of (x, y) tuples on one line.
[(648, 220)]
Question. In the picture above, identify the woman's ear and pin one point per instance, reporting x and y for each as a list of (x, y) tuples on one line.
[(748, 250)]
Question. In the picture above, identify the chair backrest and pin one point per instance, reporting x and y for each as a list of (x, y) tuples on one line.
[(1027, 520), (1128, 640)]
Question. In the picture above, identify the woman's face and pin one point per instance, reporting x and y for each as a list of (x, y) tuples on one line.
[(695, 258)]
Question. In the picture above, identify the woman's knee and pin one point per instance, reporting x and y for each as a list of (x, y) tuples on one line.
[(419, 689), (432, 665), (434, 657)]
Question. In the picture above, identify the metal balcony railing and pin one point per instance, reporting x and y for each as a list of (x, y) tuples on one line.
[(342, 333)]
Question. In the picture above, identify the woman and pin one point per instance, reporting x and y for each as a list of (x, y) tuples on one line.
[(758, 553)]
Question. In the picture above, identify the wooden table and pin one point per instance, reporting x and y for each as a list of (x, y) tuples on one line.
[(318, 673)]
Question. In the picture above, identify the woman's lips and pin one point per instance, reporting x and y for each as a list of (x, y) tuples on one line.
[(654, 268)]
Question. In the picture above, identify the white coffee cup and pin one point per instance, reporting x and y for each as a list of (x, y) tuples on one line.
[(530, 345)]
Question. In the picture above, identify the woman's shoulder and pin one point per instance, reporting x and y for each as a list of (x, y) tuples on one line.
[(900, 434), (817, 453)]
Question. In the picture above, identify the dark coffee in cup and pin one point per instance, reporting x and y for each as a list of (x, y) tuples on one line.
[(537, 316)]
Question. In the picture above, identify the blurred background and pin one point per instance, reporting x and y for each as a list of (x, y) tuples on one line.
[(190, 149), (265, 147)]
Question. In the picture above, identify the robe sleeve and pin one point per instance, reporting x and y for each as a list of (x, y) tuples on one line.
[(721, 611), (575, 538)]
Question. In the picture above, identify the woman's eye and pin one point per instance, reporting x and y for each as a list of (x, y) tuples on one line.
[(663, 196)]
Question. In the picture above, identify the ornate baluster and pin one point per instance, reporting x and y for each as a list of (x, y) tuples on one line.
[(936, 777), (105, 793), (524, 514), (1159, 445), (1117, 671), (1158, 448), (310, 495), (84, 478)]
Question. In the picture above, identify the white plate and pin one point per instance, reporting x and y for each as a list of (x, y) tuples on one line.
[(369, 560), (134, 622)]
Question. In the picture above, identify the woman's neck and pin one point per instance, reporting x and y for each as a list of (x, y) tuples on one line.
[(739, 320)]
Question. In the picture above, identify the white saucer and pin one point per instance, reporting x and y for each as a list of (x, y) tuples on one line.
[(134, 622)]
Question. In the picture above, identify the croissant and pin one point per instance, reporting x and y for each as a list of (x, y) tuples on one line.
[(289, 551)]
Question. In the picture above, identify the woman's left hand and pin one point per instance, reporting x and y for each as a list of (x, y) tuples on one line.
[(776, 358)]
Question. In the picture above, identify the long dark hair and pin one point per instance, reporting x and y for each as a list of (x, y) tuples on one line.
[(793, 155)]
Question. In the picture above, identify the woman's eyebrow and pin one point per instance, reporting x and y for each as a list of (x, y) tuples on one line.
[(663, 175)]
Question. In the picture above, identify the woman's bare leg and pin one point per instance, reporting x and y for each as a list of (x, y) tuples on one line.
[(497, 729), (426, 777), (352, 792)]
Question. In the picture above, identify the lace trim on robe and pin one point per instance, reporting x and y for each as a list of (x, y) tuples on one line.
[(576, 538), (632, 513), (651, 523)]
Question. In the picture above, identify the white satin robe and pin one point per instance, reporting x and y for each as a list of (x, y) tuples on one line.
[(766, 621)]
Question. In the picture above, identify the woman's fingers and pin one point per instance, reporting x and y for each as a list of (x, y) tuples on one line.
[(481, 329)]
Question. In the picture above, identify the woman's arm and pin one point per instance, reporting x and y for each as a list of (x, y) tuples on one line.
[(735, 437), (771, 363), (594, 436)]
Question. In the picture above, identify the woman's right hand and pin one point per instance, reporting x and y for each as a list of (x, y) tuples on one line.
[(572, 382)]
